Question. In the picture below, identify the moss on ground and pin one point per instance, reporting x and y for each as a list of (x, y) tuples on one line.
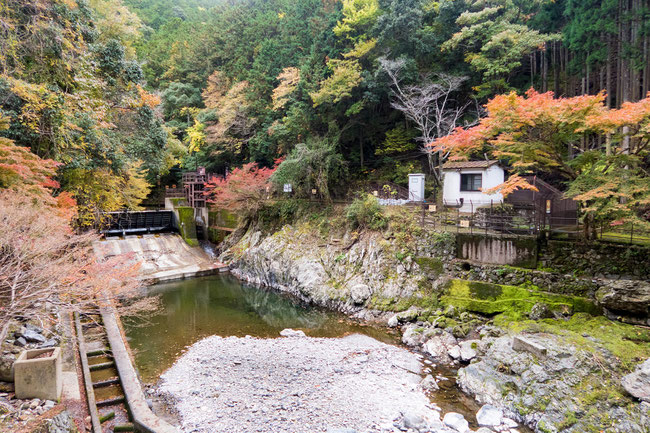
[(491, 299), (430, 264), (627, 343)]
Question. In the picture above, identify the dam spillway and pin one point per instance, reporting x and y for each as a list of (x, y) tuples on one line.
[(162, 257)]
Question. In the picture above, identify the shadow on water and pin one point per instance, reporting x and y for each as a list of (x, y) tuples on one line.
[(221, 305)]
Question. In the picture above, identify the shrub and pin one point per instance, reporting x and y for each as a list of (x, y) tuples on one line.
[(365, 212)]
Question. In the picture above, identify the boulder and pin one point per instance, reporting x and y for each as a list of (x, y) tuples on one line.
[(626, 297), (360, 293), (49, 343), (637, 383), (438, 345), (33, 337), (429, 383), (456, 421), (489, 415), (412, 335), (292, 333), (540, 311), (20, 342), (467, 351), (7, 367), (454, 352), (413, 420)]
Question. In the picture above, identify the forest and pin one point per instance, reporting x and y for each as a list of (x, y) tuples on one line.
[(118, 97)]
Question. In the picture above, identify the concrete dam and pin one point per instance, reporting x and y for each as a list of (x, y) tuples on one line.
[(163, 257)]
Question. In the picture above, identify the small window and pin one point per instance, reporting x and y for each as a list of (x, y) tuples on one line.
[(471, 182)]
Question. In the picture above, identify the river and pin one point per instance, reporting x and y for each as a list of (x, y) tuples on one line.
[(221, 305)]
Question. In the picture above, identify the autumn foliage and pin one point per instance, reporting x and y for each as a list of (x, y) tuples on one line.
[(243, 190), (599, 153)]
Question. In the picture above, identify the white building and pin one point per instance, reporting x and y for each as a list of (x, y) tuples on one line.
[(463, 182)]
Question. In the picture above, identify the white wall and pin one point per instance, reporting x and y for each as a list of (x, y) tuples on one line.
[(492, 176)]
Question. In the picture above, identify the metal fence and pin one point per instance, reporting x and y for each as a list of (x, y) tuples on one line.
[(522, 221)]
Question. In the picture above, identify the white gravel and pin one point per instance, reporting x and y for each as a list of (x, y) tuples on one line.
[(297, 384)]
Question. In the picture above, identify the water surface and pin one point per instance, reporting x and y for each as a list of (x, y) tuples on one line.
[(221, 305)]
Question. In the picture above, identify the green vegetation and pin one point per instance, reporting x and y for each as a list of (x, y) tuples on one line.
[(365, 212), (627, 343), (515, 302), (430, 265)]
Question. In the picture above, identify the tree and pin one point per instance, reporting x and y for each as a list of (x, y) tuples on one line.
[(289, 79), (314, 164), (496, 38), (244, 190), (540, 134), (430, 105), (43, 262)]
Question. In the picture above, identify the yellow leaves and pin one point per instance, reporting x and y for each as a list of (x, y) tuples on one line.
[(358, 15), (361, 48), (346, 75), (281, 15), (135, 187), (36, 99), (217, 86), (195, 138), (289, 79)]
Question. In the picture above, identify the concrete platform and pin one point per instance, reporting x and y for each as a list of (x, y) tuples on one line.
[(163, 257)]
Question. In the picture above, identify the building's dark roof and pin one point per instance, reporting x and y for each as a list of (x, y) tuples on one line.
[(469, 164)]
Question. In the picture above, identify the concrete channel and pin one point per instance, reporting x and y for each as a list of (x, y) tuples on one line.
[(108, 370)]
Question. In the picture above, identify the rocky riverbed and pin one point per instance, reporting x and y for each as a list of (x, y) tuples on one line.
[(302, 384)]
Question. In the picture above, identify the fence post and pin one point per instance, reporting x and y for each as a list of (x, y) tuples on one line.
[(632, 232), (423, 204), (471, 218)]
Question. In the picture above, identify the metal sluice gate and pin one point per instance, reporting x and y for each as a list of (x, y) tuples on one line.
[(137, 222)]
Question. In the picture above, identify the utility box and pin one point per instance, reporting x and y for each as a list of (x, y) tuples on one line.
[(416, 187)]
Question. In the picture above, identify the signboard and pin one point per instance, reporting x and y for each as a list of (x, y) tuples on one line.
[(287, 187), (433, 208), (464, 223)]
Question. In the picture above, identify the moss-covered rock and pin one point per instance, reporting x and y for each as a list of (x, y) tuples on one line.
[(491, 299)]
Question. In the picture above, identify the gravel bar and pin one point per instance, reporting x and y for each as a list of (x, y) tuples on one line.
[(297, 384)]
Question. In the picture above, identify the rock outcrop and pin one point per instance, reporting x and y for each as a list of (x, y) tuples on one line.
[(353, 275), (637, 383), (561, 391)]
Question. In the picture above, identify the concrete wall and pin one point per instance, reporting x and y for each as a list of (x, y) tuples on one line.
[(515, 251), (492, 176)]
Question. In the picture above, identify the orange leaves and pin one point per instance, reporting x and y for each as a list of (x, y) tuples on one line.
[(513, 183), (148, 99), (243, 190), (530, 131), (635, 115)]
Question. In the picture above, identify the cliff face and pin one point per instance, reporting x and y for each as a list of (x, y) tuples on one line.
[(356, 274)]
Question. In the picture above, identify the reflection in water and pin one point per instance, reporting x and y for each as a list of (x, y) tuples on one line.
[(220, 305)]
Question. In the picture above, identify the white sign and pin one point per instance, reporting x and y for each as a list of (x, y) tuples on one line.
[(287, 187)]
